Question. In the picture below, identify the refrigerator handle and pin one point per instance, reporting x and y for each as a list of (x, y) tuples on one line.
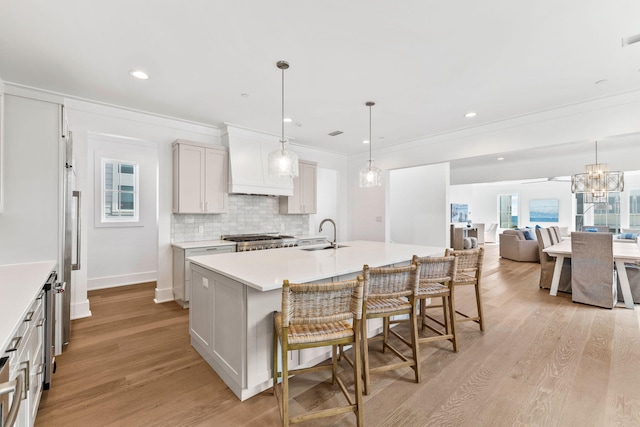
[(77, 195)]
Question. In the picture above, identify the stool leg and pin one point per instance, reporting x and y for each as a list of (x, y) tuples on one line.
[(365, 356), (285, 381), (479, 303), (414, 338), (357, 372)]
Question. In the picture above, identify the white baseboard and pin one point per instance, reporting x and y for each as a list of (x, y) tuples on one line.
[(80, 310), (122, 280), (163, 295)]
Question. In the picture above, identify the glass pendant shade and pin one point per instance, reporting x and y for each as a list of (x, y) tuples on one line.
[(597, 182), (282, 162), (370, 176)]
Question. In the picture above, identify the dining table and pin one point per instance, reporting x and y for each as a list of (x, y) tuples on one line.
[(622, 252)]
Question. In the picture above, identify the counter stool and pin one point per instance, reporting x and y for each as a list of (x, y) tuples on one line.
[(389, 291), (437, 275), (469, 272), (316, 315)]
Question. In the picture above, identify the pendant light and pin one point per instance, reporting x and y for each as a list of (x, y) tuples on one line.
[(282, 162), (370, 176), (597, 182)]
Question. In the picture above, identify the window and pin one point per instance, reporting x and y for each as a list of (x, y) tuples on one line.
[(608, 213), (508, 210), (634, 209), (119, 191)]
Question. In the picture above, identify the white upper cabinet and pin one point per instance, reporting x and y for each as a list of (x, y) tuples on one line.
[(200, 178), (304, 196)]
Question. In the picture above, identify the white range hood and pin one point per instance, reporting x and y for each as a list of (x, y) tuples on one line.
[(248, 163)]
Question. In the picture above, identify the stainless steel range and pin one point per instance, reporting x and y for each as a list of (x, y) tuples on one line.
[(256, 242)]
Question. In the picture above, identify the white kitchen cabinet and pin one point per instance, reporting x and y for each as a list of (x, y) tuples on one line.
[(182, 274), (304, 196), (26, 360), (200, 178)]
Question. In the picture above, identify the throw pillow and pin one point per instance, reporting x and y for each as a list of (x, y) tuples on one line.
[(628, 236), (591, 230), (528, 235)]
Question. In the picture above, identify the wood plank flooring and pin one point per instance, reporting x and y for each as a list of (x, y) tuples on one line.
[(542, 361)]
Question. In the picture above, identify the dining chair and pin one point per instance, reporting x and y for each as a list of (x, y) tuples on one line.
[(469, 273), (548, 263), (390, 291), (633, 274), (316, 315), (593, 277), (437, 275)]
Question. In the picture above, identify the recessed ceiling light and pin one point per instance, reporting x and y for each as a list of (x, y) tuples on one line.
[(366, 141), (500, 158), (139, 74), (287, 120), (470, 114), (244, 95)]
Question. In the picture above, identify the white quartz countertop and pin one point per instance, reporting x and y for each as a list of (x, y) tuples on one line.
[(265, 270), (19, 286), (202, 244)]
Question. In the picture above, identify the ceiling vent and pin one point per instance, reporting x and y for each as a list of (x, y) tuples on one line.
[(336, 133)]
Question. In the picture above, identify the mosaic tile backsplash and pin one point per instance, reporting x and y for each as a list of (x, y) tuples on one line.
[(247, 214)]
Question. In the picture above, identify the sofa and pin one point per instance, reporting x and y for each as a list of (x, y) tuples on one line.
[(515, 246)]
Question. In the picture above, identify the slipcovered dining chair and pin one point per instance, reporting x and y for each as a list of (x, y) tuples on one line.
[(316, 315), (469, 273), (548, 263), (593, 277), (437, 275), (390, 291)]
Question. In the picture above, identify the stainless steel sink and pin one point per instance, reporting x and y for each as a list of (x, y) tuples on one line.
[(322, 248)]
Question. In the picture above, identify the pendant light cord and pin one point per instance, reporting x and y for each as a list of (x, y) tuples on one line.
[(282, 121), (370, 142)]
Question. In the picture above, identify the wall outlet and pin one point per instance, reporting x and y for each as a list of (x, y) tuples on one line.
[(205, 282), (378, 219), (201, 229)]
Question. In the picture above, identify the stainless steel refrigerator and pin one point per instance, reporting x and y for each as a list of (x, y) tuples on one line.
[(70, 243)]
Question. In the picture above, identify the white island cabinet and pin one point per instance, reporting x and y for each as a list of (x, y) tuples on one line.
[(234, 297), (22, 322)]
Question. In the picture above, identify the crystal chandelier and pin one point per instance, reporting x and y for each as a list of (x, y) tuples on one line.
[(597, 182), (282, 162), (370, 176)]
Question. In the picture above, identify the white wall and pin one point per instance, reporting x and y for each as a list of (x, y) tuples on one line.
[(85, 118), (416, 197), (122, 254), (484, 200), (29, 225)]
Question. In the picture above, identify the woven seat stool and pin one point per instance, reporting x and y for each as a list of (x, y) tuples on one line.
[(469, 273), (389, 291), (316, 315), (437, 275)]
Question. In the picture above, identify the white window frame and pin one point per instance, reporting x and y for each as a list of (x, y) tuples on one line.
[(133, 219)]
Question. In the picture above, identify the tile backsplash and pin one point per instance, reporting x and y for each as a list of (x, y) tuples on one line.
[(247, 214)]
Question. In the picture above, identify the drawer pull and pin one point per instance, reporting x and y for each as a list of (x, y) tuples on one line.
[(212, 249), (40, 295), (40, 369), (29, 316), (15, 344), (26, 378), (40, 323)]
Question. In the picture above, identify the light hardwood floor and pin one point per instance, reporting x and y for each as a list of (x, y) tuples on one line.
[(542, 361)]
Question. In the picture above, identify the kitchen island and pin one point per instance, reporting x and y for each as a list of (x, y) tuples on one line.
[(234, 295)]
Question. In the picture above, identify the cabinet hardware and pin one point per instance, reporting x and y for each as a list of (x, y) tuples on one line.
[(40, 323), (29, 316), (26, 378), (15, 344), (78, 196), (40, 369), (40, 295), (212, 249)]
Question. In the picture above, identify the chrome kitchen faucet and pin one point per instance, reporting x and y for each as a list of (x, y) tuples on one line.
[(335, 231)]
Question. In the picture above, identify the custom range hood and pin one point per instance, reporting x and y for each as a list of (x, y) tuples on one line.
[(248, 163)]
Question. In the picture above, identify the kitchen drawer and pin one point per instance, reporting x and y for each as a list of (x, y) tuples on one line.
[(313, 241)]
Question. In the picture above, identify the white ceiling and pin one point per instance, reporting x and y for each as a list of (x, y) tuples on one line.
[(425, 63)]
